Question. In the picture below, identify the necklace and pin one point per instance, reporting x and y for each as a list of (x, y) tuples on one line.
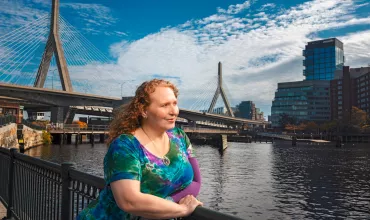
[(164, 159)]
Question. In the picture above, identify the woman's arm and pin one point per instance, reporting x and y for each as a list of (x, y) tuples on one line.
[(194, 187), (129, 198)]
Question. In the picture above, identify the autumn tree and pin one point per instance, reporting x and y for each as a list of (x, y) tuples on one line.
[(286, 119), (358, 118)]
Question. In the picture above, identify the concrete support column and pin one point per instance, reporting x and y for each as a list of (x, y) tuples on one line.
[(76, 139), (102, 138), (61, 139), (57, 114), (69, 138), (92, 142)]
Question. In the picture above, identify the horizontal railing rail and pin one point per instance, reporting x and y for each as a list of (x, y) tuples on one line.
[(31, 188), (33, 126), (77, 128)]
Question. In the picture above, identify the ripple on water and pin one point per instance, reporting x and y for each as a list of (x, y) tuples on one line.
[(264, 181)]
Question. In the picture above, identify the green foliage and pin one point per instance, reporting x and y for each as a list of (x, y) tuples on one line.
[(46, 137), (286, 119)]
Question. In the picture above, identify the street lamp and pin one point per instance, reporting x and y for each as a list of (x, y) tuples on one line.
[(123, 84)]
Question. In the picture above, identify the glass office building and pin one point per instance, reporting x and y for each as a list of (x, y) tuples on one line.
[(307, 100), (322, 59)]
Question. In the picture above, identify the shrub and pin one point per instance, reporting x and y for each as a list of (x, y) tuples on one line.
[(46, 137)]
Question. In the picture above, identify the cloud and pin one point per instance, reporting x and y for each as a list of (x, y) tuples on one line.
[(14, 14), (97, 18), (256, 52), (235, 9)]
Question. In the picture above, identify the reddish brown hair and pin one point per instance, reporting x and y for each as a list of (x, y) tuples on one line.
[(127, 118)]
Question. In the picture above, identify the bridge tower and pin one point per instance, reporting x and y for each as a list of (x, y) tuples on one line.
[(54, 46), (220, 90)]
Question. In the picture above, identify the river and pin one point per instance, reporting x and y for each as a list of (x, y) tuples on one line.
[(264, 181)]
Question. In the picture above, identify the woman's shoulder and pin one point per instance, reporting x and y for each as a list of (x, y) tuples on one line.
[(177, 131), (123, 142)]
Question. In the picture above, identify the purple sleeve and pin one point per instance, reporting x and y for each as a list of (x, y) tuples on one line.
[(194, 187)]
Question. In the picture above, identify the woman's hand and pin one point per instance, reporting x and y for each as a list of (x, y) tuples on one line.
[(189, 203)]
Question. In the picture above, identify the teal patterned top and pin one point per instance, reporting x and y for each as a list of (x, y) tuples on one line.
[(128, 159)]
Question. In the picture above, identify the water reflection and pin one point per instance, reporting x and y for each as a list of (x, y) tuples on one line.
[(264, 181), (315, 182)]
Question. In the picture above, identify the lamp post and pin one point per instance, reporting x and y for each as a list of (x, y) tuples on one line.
[(122, 83), (121, 88)]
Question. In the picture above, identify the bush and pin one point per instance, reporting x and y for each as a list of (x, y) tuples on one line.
[(80, 124), (46, 137)]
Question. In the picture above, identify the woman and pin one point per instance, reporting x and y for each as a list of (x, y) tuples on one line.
[(149, 165)]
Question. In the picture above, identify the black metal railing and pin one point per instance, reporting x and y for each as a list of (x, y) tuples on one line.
[(31, 188), (7, 119)]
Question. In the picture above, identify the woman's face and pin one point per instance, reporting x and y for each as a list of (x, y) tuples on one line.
[(163, 110)]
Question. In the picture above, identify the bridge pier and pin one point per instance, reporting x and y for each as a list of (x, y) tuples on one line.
[(92, 137), (77, 139), (61, 139), (294, 141), (58, 114), (102, 138), (69, 138)]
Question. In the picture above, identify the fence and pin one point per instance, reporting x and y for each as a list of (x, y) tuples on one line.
[(4, 120), (33, 126), (31, 188), (76, 127)]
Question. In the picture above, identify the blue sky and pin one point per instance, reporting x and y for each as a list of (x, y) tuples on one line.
[(259, 42)]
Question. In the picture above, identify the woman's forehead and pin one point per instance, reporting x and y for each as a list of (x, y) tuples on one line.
[(162, 93)]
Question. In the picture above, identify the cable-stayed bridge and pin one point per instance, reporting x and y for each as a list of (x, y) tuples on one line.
[(48, 64)]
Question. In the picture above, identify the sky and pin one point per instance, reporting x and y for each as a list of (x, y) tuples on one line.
[(259, 42)]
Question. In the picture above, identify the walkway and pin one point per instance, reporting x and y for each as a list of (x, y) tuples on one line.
[(2, 211)]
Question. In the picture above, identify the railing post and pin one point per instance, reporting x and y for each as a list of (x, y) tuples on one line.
[(9, 211), (66, 209)]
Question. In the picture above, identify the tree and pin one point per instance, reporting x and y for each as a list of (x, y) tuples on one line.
[(358, 117), (294, 128), (311, 126), (286, 119)]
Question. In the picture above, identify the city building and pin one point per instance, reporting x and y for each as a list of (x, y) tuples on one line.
[(247, 109), (350, 87), (322, 59), (307, 100), (8, 106), (218, 110), (259, 115)]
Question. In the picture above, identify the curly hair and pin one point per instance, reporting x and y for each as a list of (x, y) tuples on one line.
[(127, 118)]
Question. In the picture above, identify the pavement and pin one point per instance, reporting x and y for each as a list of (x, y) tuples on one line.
[(2, 211)]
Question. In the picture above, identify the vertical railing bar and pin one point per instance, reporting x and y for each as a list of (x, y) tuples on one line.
[(28, 181), (59, 205), (78, 195), (73, 196), (17, 187), (48, 194), (37, 191), (83, 196), (55, 210), (66, 191), (32, 203), (43, 195), (20, 180), (9, 213), (53, 196)]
